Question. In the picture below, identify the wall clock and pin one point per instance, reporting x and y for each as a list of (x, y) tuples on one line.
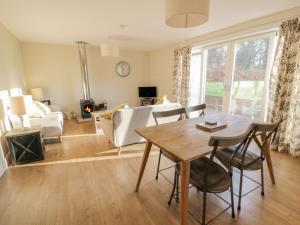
[(122, 69)]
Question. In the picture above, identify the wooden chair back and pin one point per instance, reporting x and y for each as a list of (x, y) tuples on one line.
[(266, 131), (196, 108), (181, 112), (237, 142)]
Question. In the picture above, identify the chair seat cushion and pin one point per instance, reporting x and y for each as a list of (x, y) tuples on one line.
[(251, 162), (218, 179)]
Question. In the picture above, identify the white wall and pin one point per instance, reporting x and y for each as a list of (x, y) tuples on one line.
[(11, 76), (161, 67), (56, 69), (11, 66)]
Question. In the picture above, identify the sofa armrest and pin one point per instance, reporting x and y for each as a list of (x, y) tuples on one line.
[(58, 116), (107, 127)]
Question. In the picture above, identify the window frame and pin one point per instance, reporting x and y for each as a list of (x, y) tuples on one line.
[(230, 66)]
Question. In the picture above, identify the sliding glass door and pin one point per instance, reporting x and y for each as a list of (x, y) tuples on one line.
[(234, 76), (215, 72), (249, 78)]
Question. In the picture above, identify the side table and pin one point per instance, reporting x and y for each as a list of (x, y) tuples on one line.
[(25, 145)]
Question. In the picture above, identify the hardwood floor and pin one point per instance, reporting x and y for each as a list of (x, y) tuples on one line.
[(75, 185), (81, 142)]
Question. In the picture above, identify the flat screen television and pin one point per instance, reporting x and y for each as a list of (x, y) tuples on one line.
[(147, 92)]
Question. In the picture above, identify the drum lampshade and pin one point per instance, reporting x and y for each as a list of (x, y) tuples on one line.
[(186, 13)]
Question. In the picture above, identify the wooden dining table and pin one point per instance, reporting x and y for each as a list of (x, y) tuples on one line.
[(185, 142)]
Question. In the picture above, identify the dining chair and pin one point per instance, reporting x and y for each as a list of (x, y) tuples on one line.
[(208, 176), (178, 114), (196, 108), (246, 159)]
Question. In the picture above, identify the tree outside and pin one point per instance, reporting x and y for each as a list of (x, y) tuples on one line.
[(248, 80)]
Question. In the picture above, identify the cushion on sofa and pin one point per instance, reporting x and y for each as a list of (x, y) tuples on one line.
[(163, 100), (108, 113), (36, 112), (42, 107)]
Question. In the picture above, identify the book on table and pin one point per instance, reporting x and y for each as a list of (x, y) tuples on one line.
[(211, 126)]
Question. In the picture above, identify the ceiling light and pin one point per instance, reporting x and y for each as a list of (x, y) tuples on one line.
[(186, 13)]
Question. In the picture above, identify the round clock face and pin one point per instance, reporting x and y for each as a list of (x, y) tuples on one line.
[(122, 69)]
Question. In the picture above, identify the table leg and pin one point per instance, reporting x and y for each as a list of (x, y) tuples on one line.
[(268, 157), (185, 176), (143, 165)]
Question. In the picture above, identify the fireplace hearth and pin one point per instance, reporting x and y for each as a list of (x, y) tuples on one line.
[(87, 106)]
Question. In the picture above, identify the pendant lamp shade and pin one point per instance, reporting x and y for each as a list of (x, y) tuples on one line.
[(186, 13)]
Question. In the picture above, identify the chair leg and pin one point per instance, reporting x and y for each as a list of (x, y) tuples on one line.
[(177, 174), (173, 189), (158, 165), (232, 199), (204, 208), (240, 191), (262, 181)]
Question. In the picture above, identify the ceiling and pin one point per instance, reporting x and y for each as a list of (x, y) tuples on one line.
[(136, 24)]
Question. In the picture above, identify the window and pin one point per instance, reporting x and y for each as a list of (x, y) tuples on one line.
[(215, 77), (233, 77), (195, 78), (15, 92)]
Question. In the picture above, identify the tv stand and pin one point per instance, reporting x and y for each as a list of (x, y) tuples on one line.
[(148, 101)]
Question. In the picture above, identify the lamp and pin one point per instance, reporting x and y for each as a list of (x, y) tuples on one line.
[(186, 13), (109, 50), (21, 105), (37, 94)]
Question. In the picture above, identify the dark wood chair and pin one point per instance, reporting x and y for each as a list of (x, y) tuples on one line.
[(196, 108), (210, 177), (246, 159), (181, 114)]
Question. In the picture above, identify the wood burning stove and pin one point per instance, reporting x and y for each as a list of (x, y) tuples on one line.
[(87, 106)]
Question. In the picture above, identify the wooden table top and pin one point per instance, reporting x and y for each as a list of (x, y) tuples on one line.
[(186, 142), (21, 131)]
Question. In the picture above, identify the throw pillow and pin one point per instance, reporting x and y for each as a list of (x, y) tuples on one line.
[(108, 114), (43, 107), (36, 112), (162, 100)]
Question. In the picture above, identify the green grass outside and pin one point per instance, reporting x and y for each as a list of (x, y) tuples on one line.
[(241, 89)]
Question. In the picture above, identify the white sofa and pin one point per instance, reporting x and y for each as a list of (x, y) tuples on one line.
[(120, 129), (51, 124)]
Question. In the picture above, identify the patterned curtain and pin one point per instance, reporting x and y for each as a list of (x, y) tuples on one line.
[(285, 89), (181, 75)]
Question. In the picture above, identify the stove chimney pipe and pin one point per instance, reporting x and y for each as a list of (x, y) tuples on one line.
[(84, 70)]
